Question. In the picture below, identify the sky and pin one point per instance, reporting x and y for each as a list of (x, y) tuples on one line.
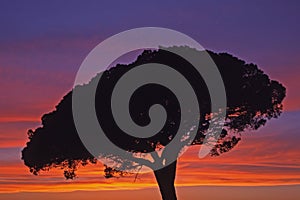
[(42, 45)]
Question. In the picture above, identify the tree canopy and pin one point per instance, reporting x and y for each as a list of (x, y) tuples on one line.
[(252, 99)]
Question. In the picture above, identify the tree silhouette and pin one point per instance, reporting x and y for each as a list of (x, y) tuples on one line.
[(252, 99)]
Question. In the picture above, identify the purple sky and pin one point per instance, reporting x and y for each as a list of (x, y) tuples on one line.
[(42, 45)]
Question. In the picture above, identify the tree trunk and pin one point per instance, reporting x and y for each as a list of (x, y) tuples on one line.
[(165, 178)]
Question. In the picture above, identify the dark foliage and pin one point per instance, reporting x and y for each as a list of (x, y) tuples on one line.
[(252, 100)]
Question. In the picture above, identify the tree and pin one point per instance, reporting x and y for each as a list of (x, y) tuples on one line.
[(252, 99)]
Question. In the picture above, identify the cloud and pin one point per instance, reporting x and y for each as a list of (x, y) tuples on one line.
[(267, 157)]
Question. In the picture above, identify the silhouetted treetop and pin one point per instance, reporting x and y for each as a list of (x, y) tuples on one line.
[(252, 99)]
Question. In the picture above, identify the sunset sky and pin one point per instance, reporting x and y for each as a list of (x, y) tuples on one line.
[(43, 44)]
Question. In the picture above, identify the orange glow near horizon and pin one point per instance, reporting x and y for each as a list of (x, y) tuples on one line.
[(244, 166), (263, 158)]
